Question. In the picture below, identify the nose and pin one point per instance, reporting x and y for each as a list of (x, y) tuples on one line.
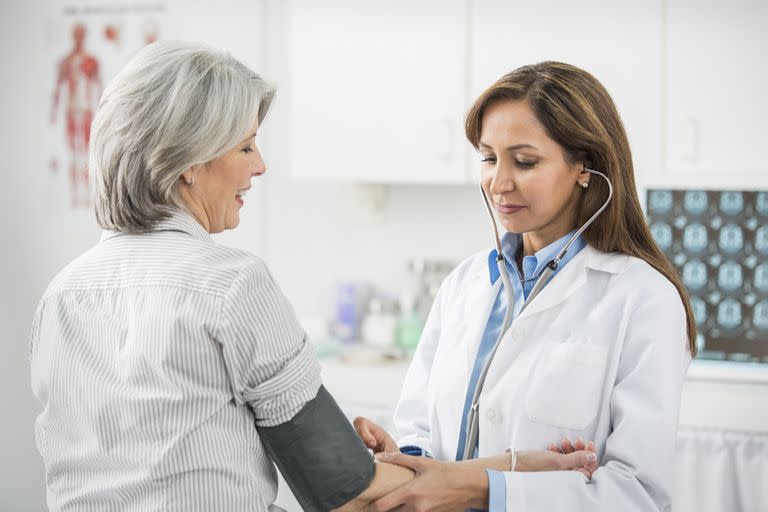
[(259, 167), (502, 179)]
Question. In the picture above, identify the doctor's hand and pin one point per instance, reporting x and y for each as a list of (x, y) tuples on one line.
[(438, 486), (373, 436), (566, 447)]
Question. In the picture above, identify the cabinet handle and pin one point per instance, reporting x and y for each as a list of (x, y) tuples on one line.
[(691, 150)]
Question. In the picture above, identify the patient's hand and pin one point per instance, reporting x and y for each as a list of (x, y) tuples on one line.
[(373, 436), (567, 448)]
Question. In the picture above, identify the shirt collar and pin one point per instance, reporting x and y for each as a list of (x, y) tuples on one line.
[(513, 242), (177, 220)]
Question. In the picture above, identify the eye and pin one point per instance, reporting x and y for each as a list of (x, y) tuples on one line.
[(488, 159), (525, 164), (247, 150)]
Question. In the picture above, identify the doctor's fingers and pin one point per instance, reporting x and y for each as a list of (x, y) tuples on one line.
[(554, 447), (567, 445), (415, 463), (363, 429), (396, 500), (374, 437), (581, 459)]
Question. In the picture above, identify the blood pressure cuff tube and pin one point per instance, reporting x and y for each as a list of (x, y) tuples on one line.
[(320, 455)]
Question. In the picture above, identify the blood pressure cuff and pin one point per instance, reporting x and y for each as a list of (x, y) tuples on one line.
[(320, 455)]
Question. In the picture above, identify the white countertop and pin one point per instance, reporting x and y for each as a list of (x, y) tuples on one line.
[(716, 395)]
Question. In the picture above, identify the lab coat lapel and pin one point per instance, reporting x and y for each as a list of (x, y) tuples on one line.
[(477, 308), (561, 286)]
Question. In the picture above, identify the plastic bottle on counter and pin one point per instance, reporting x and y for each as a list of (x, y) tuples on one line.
[(351, 298), (380, 323), (410, 325)]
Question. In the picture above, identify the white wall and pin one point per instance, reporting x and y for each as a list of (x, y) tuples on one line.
[(31, 250), (318, 233)]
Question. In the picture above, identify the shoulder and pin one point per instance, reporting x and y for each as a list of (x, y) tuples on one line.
[(160, 260), (69, 274), (472, 267), (633, 276), (227, 269)]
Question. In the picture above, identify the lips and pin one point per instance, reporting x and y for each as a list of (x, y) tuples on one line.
[(508, 209), (240, 196)]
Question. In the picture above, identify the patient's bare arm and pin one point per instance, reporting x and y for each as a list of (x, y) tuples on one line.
[(387, 478)]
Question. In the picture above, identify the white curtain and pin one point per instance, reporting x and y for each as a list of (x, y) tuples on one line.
[(721, 471)]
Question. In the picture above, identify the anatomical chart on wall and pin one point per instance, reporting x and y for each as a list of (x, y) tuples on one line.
[(87, 45)]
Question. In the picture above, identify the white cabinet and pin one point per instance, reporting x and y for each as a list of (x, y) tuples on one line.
[(618, 42), (716, 78), (377, 90)]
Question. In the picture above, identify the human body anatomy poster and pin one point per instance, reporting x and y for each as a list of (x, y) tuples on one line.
[(87, 46)]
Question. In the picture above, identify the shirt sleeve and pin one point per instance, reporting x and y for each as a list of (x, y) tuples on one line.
[(637, 468), (271, 366), (497, 491)]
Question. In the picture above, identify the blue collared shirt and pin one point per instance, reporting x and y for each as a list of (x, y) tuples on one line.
[(521, 287)]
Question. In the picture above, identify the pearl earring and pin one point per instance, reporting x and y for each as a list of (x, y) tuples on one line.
[(585, 184)]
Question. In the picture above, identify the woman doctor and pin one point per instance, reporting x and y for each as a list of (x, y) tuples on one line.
[(599, 353)]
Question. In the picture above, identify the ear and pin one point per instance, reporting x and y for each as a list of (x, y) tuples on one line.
[(188, 176), (584, 176)]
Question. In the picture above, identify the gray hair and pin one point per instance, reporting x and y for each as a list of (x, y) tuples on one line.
[(175, 105)]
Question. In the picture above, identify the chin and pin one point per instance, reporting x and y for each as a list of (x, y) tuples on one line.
[(231, 224), (517, 228)]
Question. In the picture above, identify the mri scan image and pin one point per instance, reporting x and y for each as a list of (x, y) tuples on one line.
[(661, 201), (662, 234), (729, 276), (761, 240), (761, 203), (695, 238), (731, 239), (729, 314), (695, 275), (760, 315), (731, 203), (695, 202), (761, 278), (717, 240), (699, 310)]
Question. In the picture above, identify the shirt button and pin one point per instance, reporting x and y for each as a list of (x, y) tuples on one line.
[(491, 414)]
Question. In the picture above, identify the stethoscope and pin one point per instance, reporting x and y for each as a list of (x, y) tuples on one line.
[(473, 417)]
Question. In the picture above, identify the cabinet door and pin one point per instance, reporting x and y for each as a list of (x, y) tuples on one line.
[(717, 77), (377, 90), (618, 42)]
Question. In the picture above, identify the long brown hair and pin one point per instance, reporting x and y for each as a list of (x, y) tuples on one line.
[(579, 114)]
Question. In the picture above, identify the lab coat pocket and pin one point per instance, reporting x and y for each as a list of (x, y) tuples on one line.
[(567, 384)]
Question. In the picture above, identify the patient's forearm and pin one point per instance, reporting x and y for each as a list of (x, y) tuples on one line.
[(387, 478)]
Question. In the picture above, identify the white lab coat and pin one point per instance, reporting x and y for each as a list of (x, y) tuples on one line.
[(600, 354)]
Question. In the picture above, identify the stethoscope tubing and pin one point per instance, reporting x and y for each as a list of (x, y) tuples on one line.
[(473, 414)]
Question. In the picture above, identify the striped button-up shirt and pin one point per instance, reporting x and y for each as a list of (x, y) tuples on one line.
[(153, 356)]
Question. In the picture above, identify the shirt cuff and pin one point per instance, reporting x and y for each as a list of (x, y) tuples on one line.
[(414, 450), (497, 491)]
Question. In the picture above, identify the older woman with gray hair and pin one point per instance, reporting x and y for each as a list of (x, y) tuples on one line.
[(170, 369)]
